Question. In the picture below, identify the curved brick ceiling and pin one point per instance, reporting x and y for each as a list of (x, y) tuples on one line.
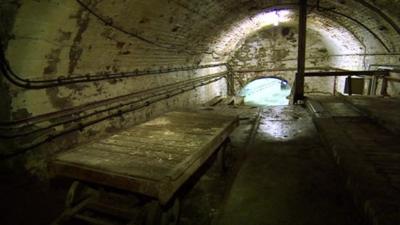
[(337, 38), (156, 33), (198, 25)]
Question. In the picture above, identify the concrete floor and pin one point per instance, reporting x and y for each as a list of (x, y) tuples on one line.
[(288, 177), (203, 200)]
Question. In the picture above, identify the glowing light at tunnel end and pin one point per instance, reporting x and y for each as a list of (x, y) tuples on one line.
[(276, 19), (272, 18)]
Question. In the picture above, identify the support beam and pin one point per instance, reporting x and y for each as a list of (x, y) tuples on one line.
[(301, 56), (230, 82), (349, 86), (384, 87), (348, 73)]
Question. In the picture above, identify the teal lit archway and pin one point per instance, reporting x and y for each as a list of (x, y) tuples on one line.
[(266, 91)]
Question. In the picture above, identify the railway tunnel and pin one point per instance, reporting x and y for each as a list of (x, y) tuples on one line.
[(79, 72)]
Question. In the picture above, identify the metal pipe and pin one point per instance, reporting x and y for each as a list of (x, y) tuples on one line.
[(15, 79), (81, 126), (86, 107), (67, 114), (385, 66)]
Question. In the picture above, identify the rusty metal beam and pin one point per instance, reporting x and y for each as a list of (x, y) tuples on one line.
[(348, 73), (301, 56), (230, 80), (261, 70), (393, 79)]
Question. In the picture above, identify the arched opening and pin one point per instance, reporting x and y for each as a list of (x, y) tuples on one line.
[(266, 91)]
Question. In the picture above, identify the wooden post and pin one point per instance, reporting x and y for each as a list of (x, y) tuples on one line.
[(301, 57)]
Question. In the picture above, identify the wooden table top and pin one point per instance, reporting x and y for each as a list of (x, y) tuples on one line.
[(153, 158)]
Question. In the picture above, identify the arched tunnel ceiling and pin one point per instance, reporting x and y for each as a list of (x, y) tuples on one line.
[(337, 38), (196, 24), (191, 31)]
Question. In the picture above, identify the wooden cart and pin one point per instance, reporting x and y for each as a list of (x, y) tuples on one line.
[(151, 160)]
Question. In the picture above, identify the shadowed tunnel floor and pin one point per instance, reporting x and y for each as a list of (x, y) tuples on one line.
[(287, 178)]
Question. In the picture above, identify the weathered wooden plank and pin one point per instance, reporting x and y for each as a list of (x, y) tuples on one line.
[(173, 140), (117, 163), (142, 150), (153, 158), (145, 186), (187, 128), (182, 172), (170, 134), (158, 141), (144, 154), (196, 117)]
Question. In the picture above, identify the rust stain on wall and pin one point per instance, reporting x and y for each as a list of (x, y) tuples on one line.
[(64, 35), (21, 114), (82, 21), (56, 100), (8, 12), (53, 58), (6, 100), (274, 51)]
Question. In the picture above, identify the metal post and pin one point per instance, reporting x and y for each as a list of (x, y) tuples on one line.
[(334, 85), (384, 87), (370, 86), (301, 57), (374, 85), (349, 87), (230, 82)]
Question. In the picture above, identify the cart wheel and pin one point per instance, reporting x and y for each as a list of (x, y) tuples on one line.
[(72, 194), (76, 193), (171, 215), (153, 213), (156, 215)]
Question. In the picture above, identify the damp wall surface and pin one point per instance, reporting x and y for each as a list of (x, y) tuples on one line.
[(61, 40), (273, 52)]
